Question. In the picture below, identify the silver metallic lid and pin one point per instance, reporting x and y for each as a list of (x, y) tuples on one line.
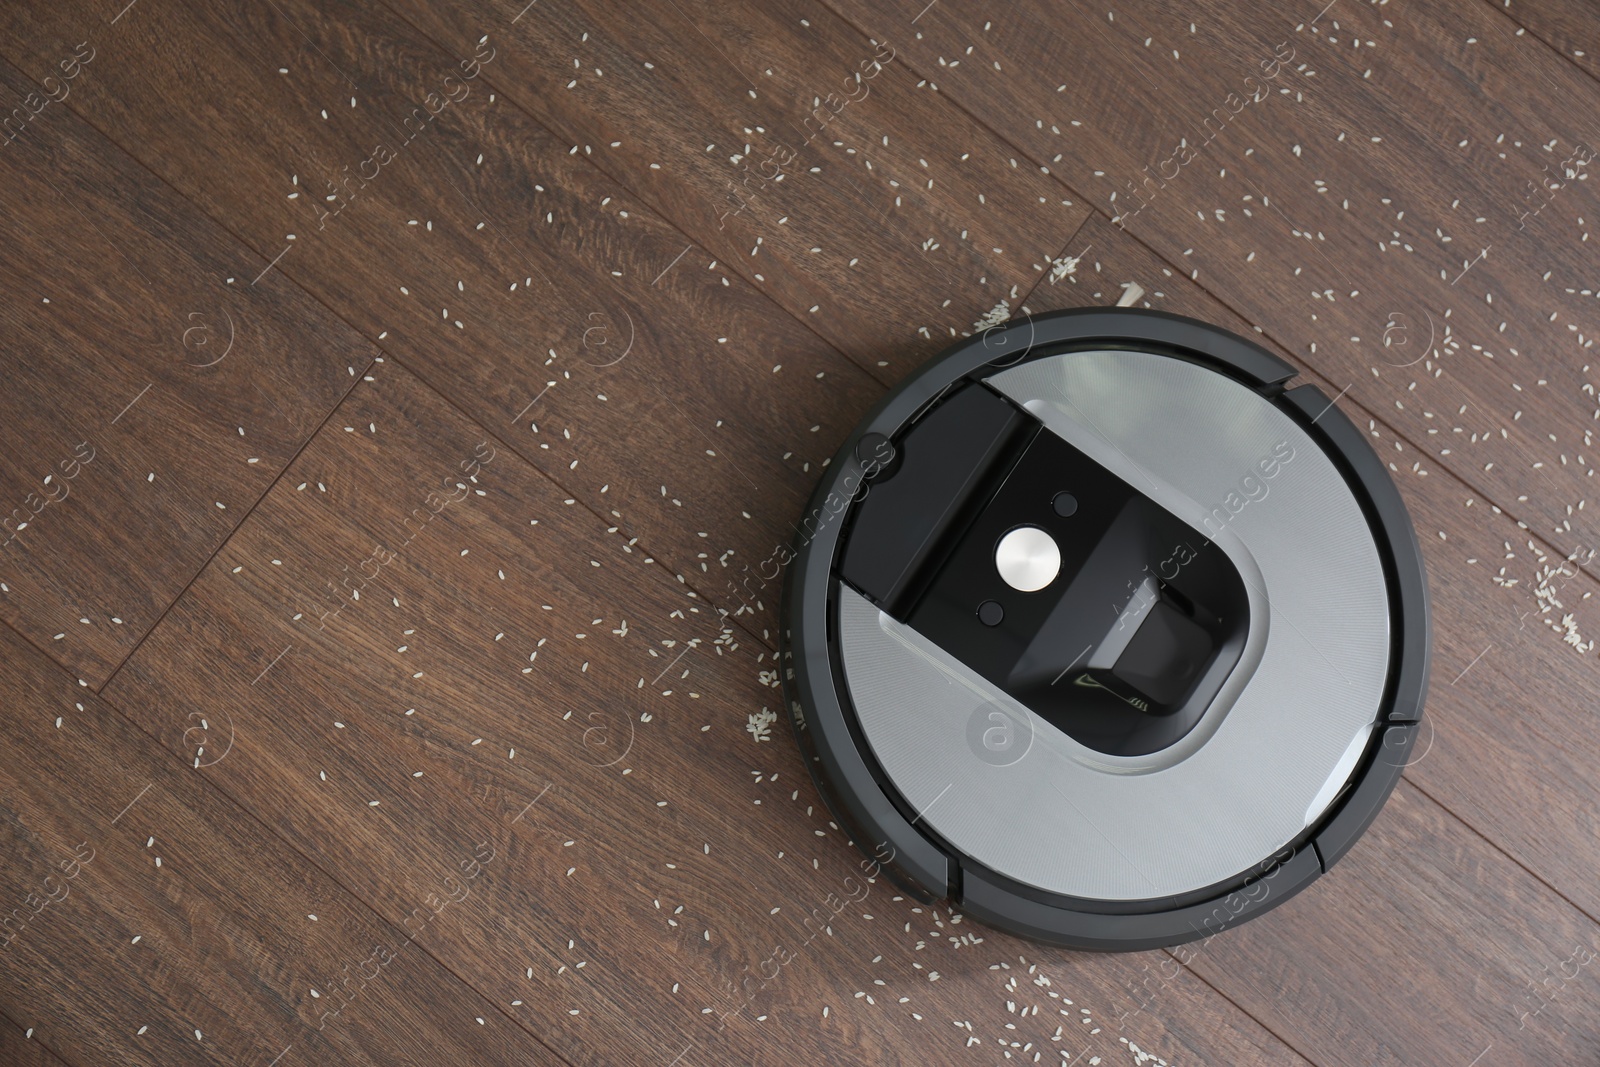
[(1275, 745)]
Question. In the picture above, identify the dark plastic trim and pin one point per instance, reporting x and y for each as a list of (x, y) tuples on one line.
[(994, 903)]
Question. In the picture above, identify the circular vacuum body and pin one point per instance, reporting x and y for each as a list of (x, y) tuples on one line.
[(1098, 629)]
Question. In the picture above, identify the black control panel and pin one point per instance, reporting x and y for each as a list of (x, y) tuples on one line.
[(1124, 649)]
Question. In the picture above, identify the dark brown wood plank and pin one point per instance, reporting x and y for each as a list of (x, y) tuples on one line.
[(1568, 26), (152, 392), (19, 1048), (795, 149), (1458, 922), (151, 920), (1353, 973), (1344, 204), (676, 395), (588, 716)]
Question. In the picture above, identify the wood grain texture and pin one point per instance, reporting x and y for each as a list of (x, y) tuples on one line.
[(538, 295), (1568, 26), (592, 720), (151, 920), (151, 392), (797, 150), (1457, 912), (470, 639), (1347, 972), (1379, 209), (18, 1048)]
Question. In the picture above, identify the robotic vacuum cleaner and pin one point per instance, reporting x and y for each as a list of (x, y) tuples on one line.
[(1098, 628)]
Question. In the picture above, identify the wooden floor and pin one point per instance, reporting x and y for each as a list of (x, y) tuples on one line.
[(394, 392)]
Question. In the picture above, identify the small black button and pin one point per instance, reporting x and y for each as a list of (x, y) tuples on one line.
[(990, 613), (1064, 503)]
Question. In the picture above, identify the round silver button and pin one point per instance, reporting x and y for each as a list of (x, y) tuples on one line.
[(1027, 558)]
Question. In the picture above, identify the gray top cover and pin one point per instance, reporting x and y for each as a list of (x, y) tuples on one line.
[(1282, 736)]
